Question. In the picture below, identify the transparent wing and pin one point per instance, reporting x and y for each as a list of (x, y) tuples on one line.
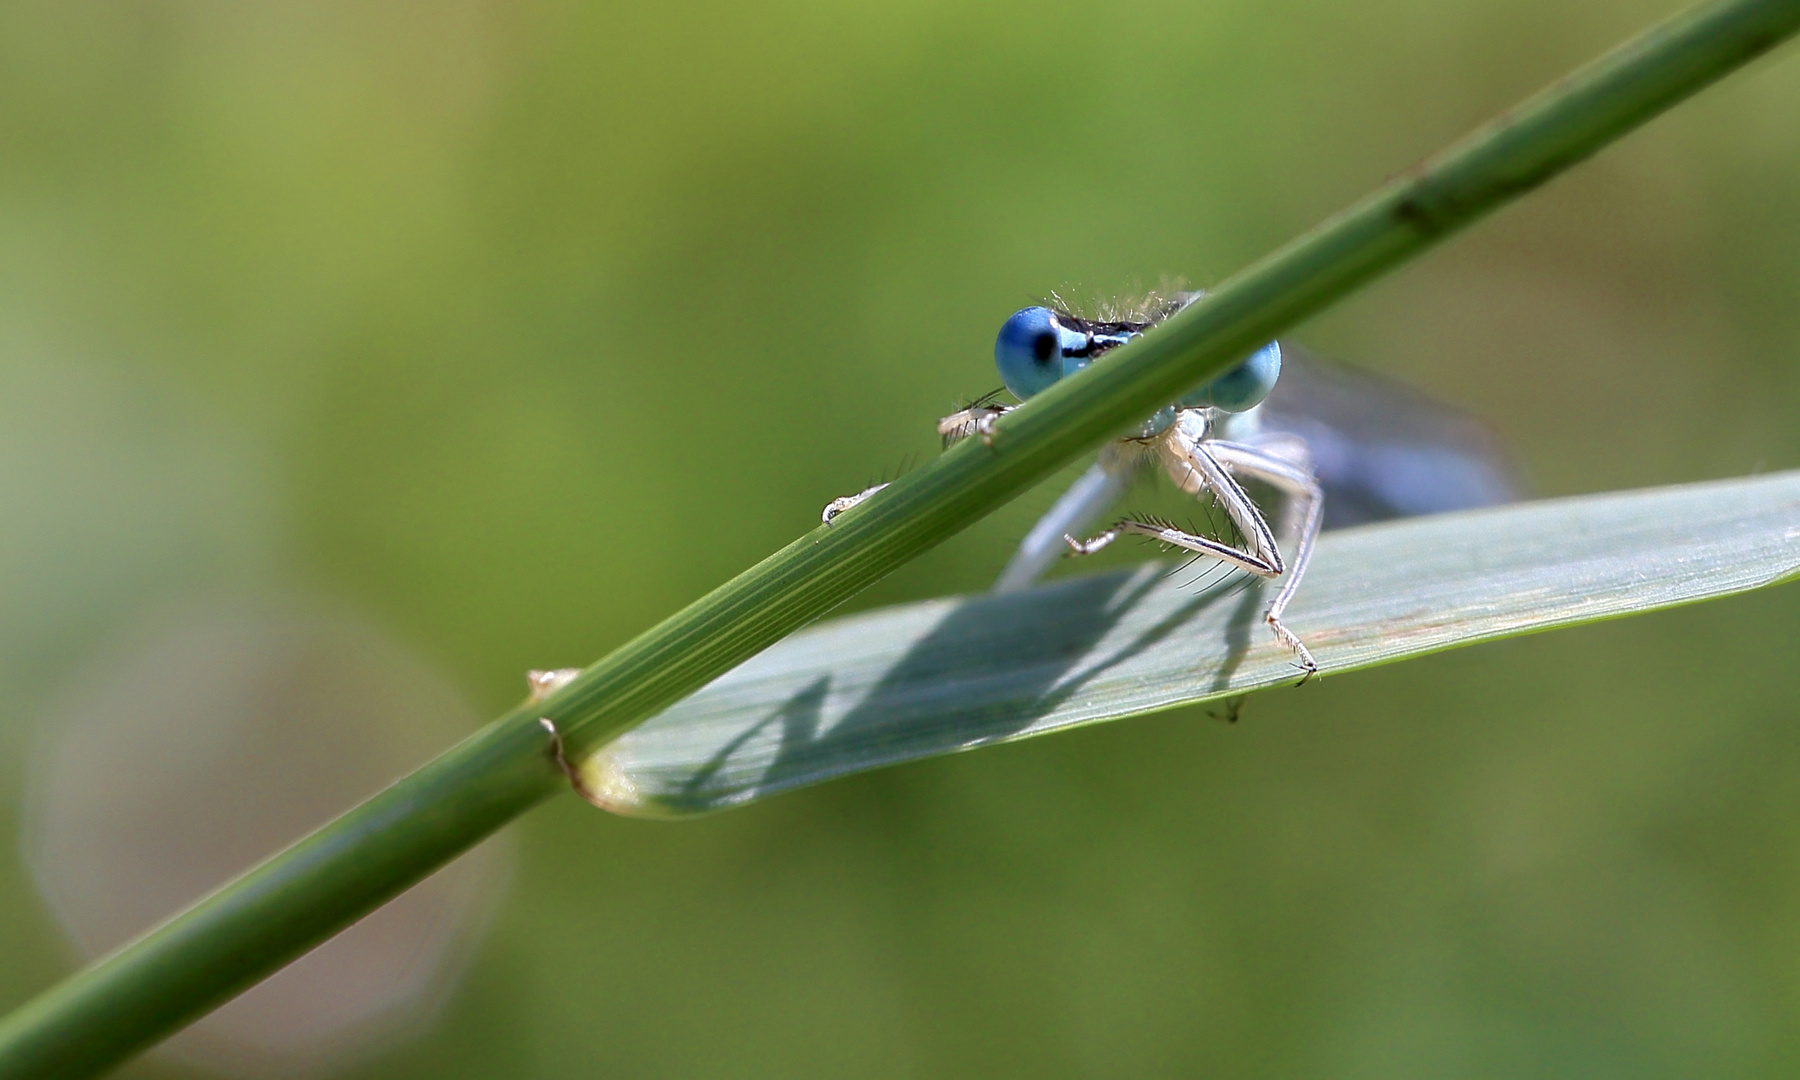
[(1384, 450)]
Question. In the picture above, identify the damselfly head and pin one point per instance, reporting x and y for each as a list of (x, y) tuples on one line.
[(1040, 345), (1029, 350)]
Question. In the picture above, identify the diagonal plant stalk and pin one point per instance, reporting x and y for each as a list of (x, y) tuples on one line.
[(290, 903)]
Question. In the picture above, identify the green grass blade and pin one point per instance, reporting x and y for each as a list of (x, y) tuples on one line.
[(301, 896), (946, 675)]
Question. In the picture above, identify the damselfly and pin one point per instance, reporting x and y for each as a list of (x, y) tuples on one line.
[(1337, 446)]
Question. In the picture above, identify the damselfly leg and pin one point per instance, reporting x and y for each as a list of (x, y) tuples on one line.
[(1202, 466)]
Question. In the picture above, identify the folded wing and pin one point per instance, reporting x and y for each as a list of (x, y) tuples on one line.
[(1384, 450)]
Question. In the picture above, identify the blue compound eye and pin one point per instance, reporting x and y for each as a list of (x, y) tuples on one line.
[(1243, 387), (1028, 351)]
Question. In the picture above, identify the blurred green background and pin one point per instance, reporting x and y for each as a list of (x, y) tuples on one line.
[(513, 327)]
